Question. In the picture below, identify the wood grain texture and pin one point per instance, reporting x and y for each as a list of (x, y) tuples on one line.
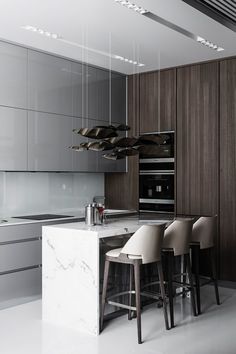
[(228, 169), (197, 139), (122, 189), (158, 101)]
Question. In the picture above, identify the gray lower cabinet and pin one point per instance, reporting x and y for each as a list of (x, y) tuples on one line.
[(20, 263), (49, 83), (18, 287), (22, 254), (13, 139), (118, 98), (13, 75), (49, 138)]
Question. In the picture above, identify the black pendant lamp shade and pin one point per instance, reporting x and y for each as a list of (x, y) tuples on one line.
[(120, 147)]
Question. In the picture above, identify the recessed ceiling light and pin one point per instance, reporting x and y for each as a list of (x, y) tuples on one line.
[(209, 44), (126, 60), (132, 6), (41, 31)]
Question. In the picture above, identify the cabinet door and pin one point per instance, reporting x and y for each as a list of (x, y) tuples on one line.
[(197, 139), (13, 139), (121, 189), (20, 255), (118, 98), (49, 138), (227, 169), (19, 287), (158, 101), (49, 83), (13, 75), (96, 100), (78, 89), (83, 161), (19, 232)]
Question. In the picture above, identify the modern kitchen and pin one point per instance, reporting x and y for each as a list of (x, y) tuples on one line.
[(117, 176)]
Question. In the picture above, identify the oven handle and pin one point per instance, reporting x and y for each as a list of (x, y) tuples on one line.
[(156, 172), (156, 201), (159, 159)]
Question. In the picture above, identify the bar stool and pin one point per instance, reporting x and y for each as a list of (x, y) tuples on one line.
[(143, 247), (204, 230), (176, 243)]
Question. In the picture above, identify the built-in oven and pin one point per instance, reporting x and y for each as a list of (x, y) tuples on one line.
[(157, 177)]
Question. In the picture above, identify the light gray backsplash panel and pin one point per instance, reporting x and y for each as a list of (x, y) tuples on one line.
[(13, 75), (32, 193)]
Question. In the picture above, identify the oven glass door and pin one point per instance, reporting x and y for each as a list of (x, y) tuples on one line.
[(156, 191)]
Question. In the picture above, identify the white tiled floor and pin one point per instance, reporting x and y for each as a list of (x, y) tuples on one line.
[(214, 332)]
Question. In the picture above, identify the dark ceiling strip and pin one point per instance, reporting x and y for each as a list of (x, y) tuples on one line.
[(170, 25), (213, 13), (222, 8)]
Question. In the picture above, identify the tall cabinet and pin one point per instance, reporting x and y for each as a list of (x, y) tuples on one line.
[(228, 169), (157, 101), (197, 139)]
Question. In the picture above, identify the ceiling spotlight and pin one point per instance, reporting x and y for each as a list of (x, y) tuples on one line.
[(41, 31), (209, 44), (132, 6), (126, 60)]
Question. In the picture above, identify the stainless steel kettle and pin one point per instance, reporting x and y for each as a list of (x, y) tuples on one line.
[(94, 214)]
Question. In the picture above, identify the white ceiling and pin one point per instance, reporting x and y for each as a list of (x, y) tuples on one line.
[(104, 25)]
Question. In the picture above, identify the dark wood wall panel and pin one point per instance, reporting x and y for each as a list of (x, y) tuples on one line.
[(228, 169), (121, 189), (158, 101), (197, 139)]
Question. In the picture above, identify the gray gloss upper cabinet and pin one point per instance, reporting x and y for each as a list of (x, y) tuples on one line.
[(13, 139), (118, 98), (13, 75), (49, 83), (49, 138), (78, 90), (83, 161), (96, 93)]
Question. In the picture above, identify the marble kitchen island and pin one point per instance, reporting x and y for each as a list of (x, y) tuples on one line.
[(71, 262)]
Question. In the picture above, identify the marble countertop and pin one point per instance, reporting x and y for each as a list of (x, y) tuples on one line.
[(73, 214), (113, 227)]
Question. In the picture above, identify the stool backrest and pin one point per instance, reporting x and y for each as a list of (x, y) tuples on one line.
[(146, 242), (178, 235), (204, 230)]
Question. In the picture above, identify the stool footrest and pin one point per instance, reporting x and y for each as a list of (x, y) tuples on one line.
[(123, 306)]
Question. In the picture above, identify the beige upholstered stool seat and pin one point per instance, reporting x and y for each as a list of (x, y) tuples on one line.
[(117, 251)]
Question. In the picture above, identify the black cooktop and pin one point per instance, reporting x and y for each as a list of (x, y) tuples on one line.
[(42, 217)]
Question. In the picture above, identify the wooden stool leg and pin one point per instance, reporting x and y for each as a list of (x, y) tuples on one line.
[(137, 297), (130, 289), (214, 275), (104, 292), (196, 257), (170, 288), (161, 280), (188, 266)]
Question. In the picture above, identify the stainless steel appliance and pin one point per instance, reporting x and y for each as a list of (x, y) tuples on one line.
[(156, 177)]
